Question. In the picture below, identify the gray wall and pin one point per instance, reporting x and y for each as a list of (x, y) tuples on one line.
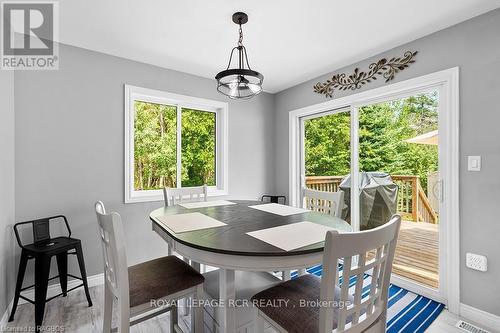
[(6, 189), (474, 46), (70, 144)]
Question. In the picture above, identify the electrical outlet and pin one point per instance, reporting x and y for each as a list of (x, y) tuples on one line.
[(476, 261)]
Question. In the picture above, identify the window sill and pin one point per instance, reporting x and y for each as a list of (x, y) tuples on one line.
[(157, 195)]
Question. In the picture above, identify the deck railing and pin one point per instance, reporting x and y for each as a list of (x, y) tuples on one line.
[(412, 201)]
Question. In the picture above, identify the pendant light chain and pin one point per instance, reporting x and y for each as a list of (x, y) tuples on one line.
[(240, 40), (243, 52), (240, 49)]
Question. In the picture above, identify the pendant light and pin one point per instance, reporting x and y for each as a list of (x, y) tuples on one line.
[(241, 82)]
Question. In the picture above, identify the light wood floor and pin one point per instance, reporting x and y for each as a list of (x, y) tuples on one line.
[(73, 314), (417, 253)]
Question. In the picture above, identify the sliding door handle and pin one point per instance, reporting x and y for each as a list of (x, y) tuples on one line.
[(438, 190)]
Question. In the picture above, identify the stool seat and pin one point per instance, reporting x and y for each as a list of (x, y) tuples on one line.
[(52, 245)]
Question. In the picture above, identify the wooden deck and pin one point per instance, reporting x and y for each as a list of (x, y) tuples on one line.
[(417, 253)]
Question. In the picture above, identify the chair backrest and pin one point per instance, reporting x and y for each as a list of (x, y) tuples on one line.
[(367, 252), (40, 229), (112, 239), (279, 199), (175, 195), (330, 203)]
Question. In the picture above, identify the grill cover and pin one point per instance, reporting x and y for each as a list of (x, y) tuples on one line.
[(378, 198)]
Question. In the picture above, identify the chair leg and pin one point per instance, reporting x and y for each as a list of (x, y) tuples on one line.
[(174, 315), (197, 312), (108, 310), (187, 310), (123, 317), (185, 307), (19, 283), (259, 322), (83, 272), (62, 266), (42, 270)]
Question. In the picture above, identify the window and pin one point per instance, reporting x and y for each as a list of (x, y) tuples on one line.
[(175, 141)]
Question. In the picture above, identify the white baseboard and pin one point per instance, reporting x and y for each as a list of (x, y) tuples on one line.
[(5, 317), (52, 290), (480, 317)]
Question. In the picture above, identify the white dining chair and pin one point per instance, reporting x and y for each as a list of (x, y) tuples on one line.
[(173, 196), (145, 290), (330, 203), (346, 255)]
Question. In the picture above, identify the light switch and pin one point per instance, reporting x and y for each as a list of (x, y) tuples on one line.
[(474, 163)]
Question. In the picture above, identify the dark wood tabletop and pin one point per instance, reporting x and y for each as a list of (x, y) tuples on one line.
[(240, 219)]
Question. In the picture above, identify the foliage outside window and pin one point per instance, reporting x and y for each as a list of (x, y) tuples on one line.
[(155, 146), (383, 131), (198, 147), (155, 142)]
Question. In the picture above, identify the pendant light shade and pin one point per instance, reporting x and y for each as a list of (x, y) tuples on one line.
[(240, 82)]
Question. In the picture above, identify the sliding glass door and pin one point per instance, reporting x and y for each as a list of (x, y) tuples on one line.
[(384, 156), (398, 173)]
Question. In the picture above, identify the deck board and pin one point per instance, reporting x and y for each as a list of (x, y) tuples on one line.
[(417, 253)]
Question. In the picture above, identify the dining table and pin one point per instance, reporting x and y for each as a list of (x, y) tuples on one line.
[(230, 248)]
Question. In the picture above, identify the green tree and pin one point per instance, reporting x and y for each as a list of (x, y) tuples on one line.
[(155, 146), (198, 147), (327, 145), (383, 129)]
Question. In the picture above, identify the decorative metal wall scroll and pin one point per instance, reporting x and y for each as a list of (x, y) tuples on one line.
[(357, 79)]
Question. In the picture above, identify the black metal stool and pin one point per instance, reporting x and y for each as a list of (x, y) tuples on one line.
[(42, 250), (273, 198)]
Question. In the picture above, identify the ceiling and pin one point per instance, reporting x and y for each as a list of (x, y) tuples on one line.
[(289, 41)]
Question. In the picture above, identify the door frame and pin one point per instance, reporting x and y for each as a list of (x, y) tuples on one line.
[(447, 83)]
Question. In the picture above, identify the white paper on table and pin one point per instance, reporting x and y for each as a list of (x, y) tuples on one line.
[(203, 204), (292, 236), (189, 222), (278, 209)]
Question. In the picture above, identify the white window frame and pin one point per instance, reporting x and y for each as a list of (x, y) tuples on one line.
[(447, 82), (132, 94)]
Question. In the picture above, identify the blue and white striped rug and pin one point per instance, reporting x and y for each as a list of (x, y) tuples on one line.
[(407, 312)]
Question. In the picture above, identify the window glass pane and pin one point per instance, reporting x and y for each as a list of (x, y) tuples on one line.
[(391, 141), (327, 142), (398, 146), (327, 154), (198, 147), (155, 146)]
